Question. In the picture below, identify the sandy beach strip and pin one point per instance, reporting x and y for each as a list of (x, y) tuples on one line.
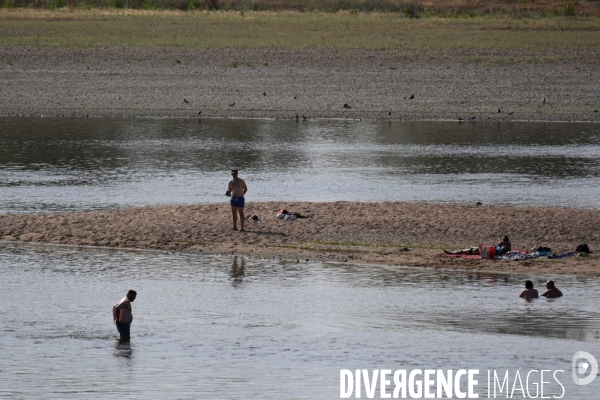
[(399, 234), (282, 83)]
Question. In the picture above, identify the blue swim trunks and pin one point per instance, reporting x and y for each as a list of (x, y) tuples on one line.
[(237, 202)]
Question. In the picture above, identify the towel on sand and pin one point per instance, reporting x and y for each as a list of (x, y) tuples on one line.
[(521, 255), (563, 255)]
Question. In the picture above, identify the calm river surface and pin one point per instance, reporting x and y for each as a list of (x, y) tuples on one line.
[(50, 164), (209, 327)]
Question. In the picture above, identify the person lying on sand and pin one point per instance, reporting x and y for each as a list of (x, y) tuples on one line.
[(504, 246), (473, 251), (529, 292), (501, 248), (552, 291)]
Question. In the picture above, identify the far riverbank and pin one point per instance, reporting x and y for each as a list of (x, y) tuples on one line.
[(285, 83)]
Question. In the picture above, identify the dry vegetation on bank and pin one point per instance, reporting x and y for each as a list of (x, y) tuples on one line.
[(410, 8), (491, 39)]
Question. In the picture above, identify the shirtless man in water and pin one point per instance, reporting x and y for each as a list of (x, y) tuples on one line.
[(237, 189), (529, 292), (552, 291), (123, 316)]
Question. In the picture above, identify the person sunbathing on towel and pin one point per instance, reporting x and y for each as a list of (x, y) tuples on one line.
[(504, 246), (473, 251), (501, 248)]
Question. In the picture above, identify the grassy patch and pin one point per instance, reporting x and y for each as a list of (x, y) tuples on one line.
[(395, 33), (409, 8)]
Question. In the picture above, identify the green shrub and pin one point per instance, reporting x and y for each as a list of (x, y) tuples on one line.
[(54, 4), (149, 5), (196, 5), (570, 9), (117, 3), (412, 10)]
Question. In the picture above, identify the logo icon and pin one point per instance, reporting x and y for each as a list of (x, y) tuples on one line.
[(582, 362)]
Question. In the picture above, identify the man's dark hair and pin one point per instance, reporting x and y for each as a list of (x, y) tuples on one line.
[(551, 283), (528, 284), (133, 292), (234, 171)]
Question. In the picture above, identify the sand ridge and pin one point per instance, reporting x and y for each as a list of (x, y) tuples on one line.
[(392, 233)]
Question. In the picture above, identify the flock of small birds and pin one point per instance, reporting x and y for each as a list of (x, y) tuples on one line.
[(348, 107)]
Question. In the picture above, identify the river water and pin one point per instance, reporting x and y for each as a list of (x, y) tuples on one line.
[(51, 164), (225, 327)]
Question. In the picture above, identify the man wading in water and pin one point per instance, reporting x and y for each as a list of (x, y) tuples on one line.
[(237, 189), (122, 314)]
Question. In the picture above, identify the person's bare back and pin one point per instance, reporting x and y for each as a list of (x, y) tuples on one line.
[(552, 291), (237, 187), (529, 292), (123, 308)]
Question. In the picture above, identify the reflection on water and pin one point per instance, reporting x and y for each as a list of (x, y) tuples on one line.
[(235, 327), (49, 164), (237, 270), (123, 349)]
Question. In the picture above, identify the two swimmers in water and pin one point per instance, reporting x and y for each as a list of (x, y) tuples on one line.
[(551, 292)]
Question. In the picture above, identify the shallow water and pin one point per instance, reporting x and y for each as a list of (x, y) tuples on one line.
[(51, 164), (228, 328)]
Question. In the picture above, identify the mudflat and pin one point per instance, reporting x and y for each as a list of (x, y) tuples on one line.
[(128, 63), (362, 84), (401, 234)]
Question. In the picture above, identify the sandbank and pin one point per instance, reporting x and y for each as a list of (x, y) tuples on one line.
[(397, 234)]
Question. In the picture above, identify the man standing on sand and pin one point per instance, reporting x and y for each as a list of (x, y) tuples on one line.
[(123, 316), (237, 189), (552, 291)]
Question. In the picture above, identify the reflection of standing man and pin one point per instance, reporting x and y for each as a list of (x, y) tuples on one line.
[(237, 271), (122, 314), (237, 189)]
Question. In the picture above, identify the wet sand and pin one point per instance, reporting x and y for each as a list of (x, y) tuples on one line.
[(399, 234), (144, 82)]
